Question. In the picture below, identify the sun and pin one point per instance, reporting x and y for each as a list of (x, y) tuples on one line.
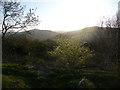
[(75, 14)]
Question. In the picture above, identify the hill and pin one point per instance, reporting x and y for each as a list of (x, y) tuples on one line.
[(91, 34), (41, 34)]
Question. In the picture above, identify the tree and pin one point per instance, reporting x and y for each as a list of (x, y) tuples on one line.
[(71, 54), (110, 22), (14, 18), (110, 43)]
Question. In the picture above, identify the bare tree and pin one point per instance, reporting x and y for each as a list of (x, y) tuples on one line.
[(14, 18), (109, 22), (101, 22)]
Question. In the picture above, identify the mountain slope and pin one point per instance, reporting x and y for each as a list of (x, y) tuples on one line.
[(41, 34), (90, 33)]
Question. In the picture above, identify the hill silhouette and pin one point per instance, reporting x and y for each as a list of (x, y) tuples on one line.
[(40, 34)]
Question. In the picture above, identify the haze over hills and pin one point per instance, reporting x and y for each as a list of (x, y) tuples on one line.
[(83, 34), (86, 34), (48, 34), (41, 34), (89, 33)]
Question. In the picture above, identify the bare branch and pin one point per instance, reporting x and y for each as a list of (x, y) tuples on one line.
[(13, 17)]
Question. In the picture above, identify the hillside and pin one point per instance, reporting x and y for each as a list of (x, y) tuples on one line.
[(90, 34), (85, 33), (29, 63), (41, 34)]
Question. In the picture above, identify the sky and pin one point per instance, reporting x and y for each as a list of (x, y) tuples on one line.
[(69, 15)]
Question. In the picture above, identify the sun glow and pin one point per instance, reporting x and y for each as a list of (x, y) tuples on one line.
[(75, 14)]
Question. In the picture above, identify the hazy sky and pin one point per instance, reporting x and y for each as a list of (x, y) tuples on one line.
[(66, 15)]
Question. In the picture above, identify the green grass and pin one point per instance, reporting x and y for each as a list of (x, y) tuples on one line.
[(12, 81), (19, 76)]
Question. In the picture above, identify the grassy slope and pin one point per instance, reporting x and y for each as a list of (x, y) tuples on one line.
[(15, 75)]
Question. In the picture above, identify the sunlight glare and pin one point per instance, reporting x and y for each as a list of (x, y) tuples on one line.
[(75, 14)]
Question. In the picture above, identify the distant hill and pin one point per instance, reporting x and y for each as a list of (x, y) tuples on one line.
[(89, 33), (83, 33), (41, 34)]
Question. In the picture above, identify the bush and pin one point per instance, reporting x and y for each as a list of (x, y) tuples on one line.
[(71, 54)]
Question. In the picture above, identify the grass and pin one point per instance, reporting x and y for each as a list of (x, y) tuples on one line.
[(18, 76)]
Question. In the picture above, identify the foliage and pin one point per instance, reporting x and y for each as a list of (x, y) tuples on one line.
[(23, 49), (71, 53), (13, 82), (89, 84)]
